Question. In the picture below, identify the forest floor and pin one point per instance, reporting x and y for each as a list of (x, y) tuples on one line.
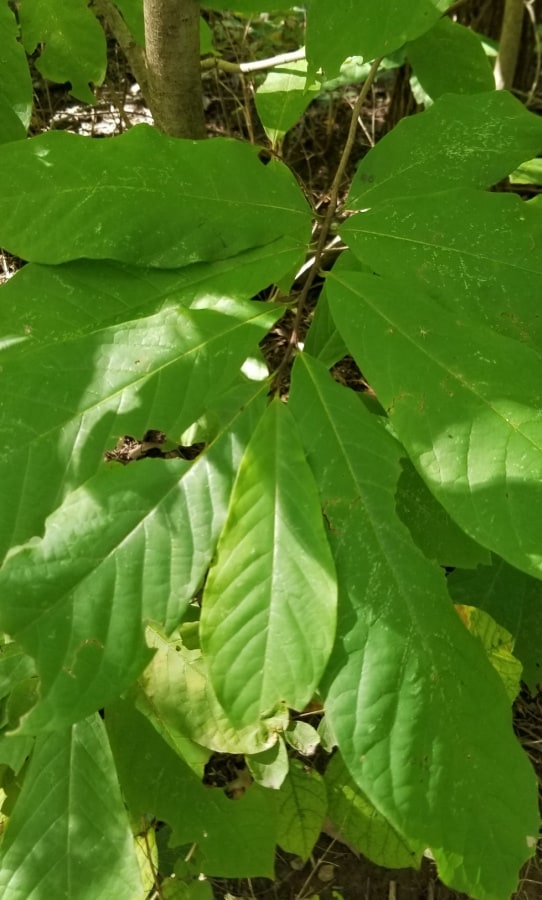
[(312, 149)]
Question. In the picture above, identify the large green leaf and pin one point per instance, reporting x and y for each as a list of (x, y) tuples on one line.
[(465, 402), (233, 839), (269, 605), (144, 198), (461, 141), (474, 252), (83, 377), (68, 835), (369, 30), (131, 545), (75, 47), (450, 59), (49, 304), (515, 602), (15, 81), (421, 718)]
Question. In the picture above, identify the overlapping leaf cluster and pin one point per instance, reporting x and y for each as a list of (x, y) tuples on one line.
[(198, 604)]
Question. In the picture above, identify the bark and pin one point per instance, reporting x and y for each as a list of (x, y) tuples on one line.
[(509, 44), (134, 54), (172, 50)]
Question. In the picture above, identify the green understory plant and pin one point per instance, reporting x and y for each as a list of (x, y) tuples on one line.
[(197, 550)]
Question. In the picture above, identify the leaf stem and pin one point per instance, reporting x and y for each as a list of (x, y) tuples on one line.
[(326, 225)]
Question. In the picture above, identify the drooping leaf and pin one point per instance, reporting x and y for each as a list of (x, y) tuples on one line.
[(301, 811), (82, 381), (177, 690), (270, 767), (131, 545), (464, 401), (368, 30), (514, 599), (461, 141), (74, 43), (68, 835), (268, 614), (358, 822), (450, 59), (234, 839), (15, 81), (302, 737), (179, 201), (406, 681), (474, 252)]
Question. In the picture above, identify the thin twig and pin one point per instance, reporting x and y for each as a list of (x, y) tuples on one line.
[(315, 865), (256, 65), (326, 224)]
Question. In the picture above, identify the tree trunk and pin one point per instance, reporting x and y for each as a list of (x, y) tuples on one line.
[(509, 43), (172, 48)]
